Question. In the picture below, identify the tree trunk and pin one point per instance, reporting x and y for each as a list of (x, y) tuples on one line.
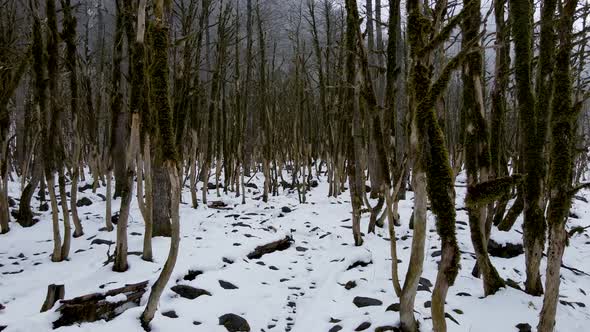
[(161, 201), (564, 115), (149, 203), (109, 198), (65, 249), (416, 264), (56, 256), (166, 151)]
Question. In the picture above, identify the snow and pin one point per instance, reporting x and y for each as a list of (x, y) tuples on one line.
[(116, 298), (301, 288)]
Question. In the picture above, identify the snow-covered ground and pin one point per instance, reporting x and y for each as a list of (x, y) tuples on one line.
[(298, 289)]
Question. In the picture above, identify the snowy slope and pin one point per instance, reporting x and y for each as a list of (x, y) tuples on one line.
[(300, 289)]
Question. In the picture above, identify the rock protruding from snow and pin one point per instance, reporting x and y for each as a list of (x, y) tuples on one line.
[(524, 327), (192, 274), (170, 314), (361, 301), (84, 201), (234, 323), (393, 307), (335, 328), (189, 292), (508, 250), (363, 326), (227, 285)]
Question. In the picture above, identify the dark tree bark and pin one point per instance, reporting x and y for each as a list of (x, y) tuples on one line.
[(563, 128)]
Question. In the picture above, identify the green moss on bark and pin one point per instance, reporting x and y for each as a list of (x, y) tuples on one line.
[(159, 92)]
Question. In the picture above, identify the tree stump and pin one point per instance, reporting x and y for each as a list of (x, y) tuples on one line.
[(54, 294)]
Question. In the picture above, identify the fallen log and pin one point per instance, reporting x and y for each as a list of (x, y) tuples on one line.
[(97, 306), (268, 248), (219, 205)]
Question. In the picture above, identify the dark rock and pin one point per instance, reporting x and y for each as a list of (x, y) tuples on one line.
[(301, 249), (447, 315), (11, 202), (196, 323), (350, 285), (427, 304), (251, 185), (425, 282), (361, 301), (212, 186), (314, 183), (458, 311), (573, 215), (234, 323), (363, 326), (335, 328), (463, 294), (335, 320), (84, 201), (423, 288), (274, 268), (115, 218), (102, 241), (85, 187), (189, 292), (524, 327), (581, 198), (227, 285), (227, 260), (386, 328), (44, 207), (2, 327), (286, 209), (192, 274), (508, 250), (358, 264), (393, 307), (103, 197), (436, 253), (170, 314), (135, 234)]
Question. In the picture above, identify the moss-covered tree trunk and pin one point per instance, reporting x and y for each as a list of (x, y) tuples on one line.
[(52, 159), (13, 70), (533, 121), (439, 175), (69, 36), (352, 111), (477, 153), (498, 109), (165, 147), (563, 136)]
